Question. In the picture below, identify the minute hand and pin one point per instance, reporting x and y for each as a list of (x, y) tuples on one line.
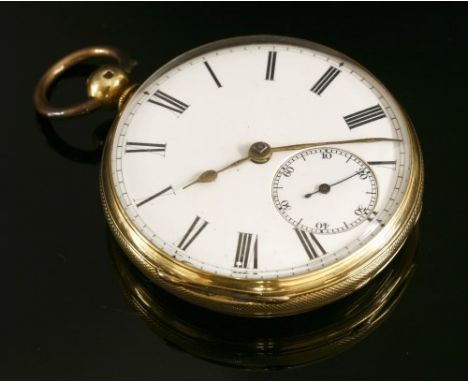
[(326, 143)]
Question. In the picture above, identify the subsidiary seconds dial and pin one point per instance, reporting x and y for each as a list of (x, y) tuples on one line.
[(325, 190)]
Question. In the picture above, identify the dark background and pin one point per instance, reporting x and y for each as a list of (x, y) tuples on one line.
[(64, 315)]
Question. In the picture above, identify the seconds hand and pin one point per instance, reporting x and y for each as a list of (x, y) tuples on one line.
[(324, 188)]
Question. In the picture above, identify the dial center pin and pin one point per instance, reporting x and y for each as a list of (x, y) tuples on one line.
[(260, 152)]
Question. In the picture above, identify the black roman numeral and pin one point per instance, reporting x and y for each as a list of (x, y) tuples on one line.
[(142, 147), (169, 102), (212, 74), (325, 80), (382, 162), (195, 229), (310, 243), (271, 64), (154, 196), (247, 244), (364, 116)]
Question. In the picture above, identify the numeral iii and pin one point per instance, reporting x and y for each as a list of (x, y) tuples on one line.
[(364, 116)]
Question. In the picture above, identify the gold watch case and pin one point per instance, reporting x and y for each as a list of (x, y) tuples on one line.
[(272, 297)]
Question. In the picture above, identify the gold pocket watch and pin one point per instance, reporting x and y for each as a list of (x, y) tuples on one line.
[(256, 176)]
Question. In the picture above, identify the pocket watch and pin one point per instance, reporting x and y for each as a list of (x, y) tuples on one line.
[(256, 176)]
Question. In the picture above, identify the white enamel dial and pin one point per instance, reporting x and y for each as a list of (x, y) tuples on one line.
[(205, 112), (325, 190)]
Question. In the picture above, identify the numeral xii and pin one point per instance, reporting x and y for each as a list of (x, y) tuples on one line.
[(165, 100)]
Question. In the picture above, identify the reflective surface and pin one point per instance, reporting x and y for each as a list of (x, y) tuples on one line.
[(64, 314), (270, 343)]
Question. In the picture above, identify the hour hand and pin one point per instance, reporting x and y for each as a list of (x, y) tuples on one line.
[(205, 177), (259, 152), (211, 175)]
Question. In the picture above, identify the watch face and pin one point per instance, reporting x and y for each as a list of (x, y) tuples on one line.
[(303, 209)]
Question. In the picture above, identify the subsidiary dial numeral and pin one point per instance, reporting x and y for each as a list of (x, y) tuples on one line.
[(165, 100), (247, 251), (365, 116), (143, 147), (162, 192), (325, 80), (271, 64), (197, 226), (213, 75), (310, 243)]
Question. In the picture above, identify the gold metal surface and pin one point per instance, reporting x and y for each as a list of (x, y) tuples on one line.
[(107, 84), (277, 343), (270, 297), (41, 101)]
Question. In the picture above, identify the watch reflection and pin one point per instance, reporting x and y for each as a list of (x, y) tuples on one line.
[(270, 343)]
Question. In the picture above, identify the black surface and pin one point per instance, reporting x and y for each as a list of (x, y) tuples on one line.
[(64, 315)]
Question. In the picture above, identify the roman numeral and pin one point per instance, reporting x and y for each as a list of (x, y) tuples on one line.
[(142, 147), (325, 80), (364, 116), (310, 244), (195, 229), (212, 74), (380, 162), (169, 102), (270, 72), (247, 251), (154, 196)]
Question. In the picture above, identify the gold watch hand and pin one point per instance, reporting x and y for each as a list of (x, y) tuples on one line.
[(260, 152), (211, 175), (326, 143)]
